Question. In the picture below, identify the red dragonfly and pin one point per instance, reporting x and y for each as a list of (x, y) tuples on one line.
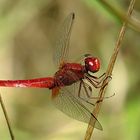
[(72, 84)]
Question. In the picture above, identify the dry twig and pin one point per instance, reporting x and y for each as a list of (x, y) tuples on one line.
[(109, 71), (7, 119), (120, 15)]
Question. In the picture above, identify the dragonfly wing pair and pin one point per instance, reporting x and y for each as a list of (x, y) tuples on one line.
[(66, 98)]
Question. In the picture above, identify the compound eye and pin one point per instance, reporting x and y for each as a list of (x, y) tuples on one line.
[(92, 64)]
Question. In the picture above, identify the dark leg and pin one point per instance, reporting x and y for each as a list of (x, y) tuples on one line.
[(101, 76), (96, 85), (94, 82), (97, 80), (81, 83)]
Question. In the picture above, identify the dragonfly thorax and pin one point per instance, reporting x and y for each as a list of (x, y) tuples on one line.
[(68, 74)]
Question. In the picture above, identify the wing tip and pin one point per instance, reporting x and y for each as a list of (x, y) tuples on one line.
[(73, 15), (96, 124)]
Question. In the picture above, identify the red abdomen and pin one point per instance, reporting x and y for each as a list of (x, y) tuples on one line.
[(47, 82), (68, 74)]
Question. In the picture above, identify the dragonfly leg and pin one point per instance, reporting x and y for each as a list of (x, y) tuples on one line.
[(105, 98), (95, 80), (99, 79), (91, 97), (79, 95), (88, 95), (96, 85), (101, 76)]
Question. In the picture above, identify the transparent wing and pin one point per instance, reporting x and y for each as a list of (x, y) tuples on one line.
[(73, 107), (62, 41)]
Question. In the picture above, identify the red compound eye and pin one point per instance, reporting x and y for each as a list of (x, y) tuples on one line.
[(92, 64)]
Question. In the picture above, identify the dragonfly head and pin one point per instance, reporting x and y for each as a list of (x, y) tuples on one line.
[(92, 64)]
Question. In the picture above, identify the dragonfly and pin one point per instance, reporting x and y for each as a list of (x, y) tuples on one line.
[(72, 85)]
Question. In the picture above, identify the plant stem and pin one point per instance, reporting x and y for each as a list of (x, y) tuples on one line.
[(7, 119), (109, 71), (120, 15)]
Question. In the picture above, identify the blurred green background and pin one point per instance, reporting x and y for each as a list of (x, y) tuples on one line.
[(27, 34)]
